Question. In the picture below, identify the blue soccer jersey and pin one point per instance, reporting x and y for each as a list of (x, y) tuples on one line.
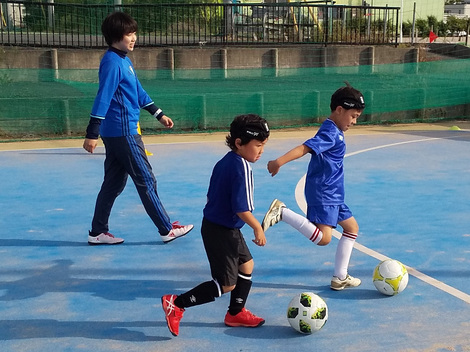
[(324, 183), (120, 96), (230, 191)]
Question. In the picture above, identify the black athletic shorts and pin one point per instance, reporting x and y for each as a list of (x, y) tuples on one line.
[(226, 250)]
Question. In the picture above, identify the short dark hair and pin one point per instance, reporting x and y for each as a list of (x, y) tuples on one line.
[(116, 25), (347, 97), (247, 127)]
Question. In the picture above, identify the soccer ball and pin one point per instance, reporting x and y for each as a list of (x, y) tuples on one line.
[(307, 312), (390, 277)]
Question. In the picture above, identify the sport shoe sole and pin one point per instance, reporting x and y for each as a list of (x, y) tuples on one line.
[(273, 215), (241, 325), (104, 239)]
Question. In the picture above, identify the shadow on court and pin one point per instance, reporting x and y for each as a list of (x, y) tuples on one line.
[(409, 190)]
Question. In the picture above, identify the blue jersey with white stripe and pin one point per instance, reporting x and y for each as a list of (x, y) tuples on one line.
[(230, 191), (120, 96), (324, 184)]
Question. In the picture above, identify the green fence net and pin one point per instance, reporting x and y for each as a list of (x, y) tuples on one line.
[(47, 102)]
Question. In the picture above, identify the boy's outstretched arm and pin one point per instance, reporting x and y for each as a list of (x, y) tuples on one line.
[(249, 218), (297, 152)]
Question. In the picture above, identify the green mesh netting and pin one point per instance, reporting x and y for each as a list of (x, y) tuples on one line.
[(35, 102)]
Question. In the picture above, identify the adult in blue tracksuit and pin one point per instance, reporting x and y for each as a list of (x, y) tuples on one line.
[(114, 117)]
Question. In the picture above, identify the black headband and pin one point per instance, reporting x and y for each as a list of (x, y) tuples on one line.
[(257, 130), (350, 103)]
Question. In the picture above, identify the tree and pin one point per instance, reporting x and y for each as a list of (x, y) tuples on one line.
[(456, 25), (422, 27), (433, 23), (442, 28)]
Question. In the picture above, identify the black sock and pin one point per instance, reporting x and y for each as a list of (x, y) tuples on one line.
[(240, 294), (204, 293)]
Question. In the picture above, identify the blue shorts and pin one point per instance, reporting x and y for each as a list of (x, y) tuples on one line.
[(329, 215)]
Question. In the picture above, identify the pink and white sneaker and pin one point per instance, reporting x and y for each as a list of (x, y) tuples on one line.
[(104, 238), (177, 231)]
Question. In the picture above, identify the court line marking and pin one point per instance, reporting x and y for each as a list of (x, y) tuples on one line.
[(301, 202), (300, 199)]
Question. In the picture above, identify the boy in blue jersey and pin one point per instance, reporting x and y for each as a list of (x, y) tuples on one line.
[(115, 116), (229, 206), (324, 186)]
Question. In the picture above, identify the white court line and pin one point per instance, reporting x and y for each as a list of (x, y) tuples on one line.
[(301, 202)]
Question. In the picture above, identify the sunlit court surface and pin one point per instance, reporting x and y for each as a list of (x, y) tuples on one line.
[(407, 185)]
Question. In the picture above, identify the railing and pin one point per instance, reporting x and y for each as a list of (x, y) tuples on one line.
[(70, 25)]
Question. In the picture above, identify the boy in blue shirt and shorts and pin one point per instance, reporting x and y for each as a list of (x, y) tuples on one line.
[(229, 206), (115, 116), (324, 185)]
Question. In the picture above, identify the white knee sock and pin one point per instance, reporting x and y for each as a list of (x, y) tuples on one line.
[(302, 224), (343, 254)]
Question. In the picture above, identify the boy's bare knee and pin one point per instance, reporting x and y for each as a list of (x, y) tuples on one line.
[(324, 241), (226, 289), (327, 233), (350, 225), (247, 268)]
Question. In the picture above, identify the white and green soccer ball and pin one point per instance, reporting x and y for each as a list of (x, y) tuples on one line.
[(307, 312), (390, 277)]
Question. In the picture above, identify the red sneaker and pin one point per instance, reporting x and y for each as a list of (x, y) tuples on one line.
[(173, 314), (244, 318)]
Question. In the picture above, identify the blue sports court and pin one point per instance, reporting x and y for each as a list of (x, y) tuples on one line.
[(408, 187)]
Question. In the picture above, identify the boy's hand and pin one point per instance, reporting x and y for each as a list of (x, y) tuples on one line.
[(260, 238), (250, 220), (273, 167), (90, 144), (293, 154), (166, 121)]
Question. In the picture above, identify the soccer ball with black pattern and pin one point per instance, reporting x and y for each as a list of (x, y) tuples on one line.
[(307, 312), (390, 277)]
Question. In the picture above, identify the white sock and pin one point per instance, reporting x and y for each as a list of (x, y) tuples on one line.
[(302, 224), (343, 254)]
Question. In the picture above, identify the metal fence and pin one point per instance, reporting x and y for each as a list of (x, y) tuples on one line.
[(70, 25)]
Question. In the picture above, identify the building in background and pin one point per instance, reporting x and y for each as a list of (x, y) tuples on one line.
[(11, 15), (424, 8), (460, 10)]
